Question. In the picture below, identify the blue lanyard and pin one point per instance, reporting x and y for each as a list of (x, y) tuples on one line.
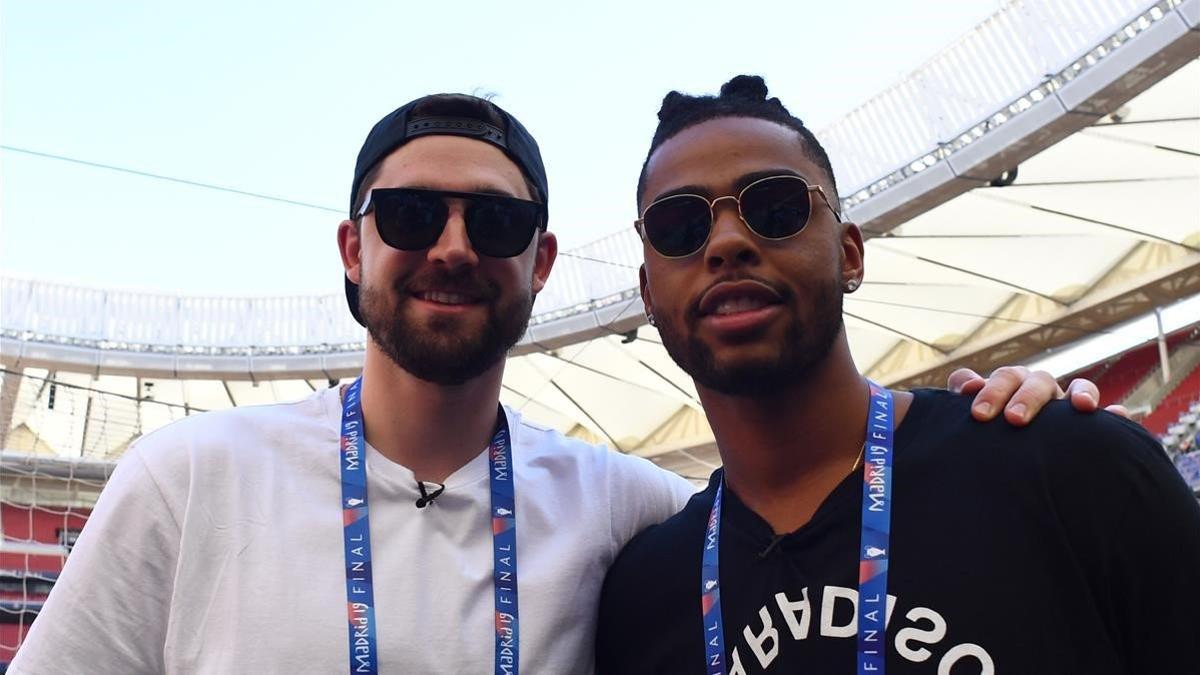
[(876, 532), (360, 601), (360, 597), (873, 549)]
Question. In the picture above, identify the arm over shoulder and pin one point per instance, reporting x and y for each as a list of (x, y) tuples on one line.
[(109, 609)]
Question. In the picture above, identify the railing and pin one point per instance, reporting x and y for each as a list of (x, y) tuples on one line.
[(1019, 56), (158, 323)]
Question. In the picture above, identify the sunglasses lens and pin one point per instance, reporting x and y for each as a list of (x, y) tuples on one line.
[(407, 219), (776, 207), (502, 228), (677, 226)]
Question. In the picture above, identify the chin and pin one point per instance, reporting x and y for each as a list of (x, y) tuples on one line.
[(753, 377), (762, 367), (445, 350)]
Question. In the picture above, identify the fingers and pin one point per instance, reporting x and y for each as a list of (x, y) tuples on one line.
[(1118, 409), (1022, 393), (965, 381), (1016, 390), (997, 391), (1084, 395), (1038, 389)]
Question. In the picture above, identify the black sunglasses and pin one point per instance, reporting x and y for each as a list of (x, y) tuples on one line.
[(776, 207), (412, 219)]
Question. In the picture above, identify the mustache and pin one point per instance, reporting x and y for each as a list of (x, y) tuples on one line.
[(693, 308), (465, 283)]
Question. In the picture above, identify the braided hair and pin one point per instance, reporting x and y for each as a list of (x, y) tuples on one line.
[(743, 96)]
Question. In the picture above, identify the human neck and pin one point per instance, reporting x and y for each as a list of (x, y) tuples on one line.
[(786, 451), (432, 429)]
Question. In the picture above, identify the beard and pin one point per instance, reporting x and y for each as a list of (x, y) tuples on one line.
[(444, 350), (803, 347)]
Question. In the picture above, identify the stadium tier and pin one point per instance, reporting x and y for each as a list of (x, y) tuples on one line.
[(1121, 376), (1175, 404), (1165, 401), (1118, 376), (40, 539)]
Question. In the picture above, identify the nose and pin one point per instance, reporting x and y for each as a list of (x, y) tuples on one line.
[(453, 248), (730, 243)]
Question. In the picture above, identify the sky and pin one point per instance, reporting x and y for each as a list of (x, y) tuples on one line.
[(275, 98)]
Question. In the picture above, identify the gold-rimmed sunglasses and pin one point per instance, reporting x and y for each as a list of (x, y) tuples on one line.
[(775, 208)]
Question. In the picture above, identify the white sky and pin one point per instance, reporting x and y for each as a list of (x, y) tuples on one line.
[(275, 98)]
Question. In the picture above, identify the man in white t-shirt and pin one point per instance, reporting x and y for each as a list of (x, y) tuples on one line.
[(239, 541)]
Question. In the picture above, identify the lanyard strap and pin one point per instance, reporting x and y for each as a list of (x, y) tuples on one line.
[(873, 551), (360, 601), (360, 596), (710, 590), (876, 533), (504, 550)]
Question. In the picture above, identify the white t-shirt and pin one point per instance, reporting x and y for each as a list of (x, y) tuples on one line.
[(217, 548)]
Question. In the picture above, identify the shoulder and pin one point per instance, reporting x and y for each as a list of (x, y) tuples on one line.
[(537, 440), (245, 433), (655, 570), (1104, 450), (667, 547), (643, 618), (937, 412), (1060, 441), (543, 447)]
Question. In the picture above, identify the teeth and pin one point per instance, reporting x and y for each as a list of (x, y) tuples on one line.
[(739, 304), (445, 298)]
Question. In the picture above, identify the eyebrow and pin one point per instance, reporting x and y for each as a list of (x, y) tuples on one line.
[(477, 189), (738, 185)]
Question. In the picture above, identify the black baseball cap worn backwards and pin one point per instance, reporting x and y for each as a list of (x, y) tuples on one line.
[(403, 125)]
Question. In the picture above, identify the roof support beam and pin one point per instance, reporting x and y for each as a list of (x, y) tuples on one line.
[(1179, 279)]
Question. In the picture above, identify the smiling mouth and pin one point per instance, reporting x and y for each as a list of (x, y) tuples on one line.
[(445, 298), (727, 298), (738, 304)]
